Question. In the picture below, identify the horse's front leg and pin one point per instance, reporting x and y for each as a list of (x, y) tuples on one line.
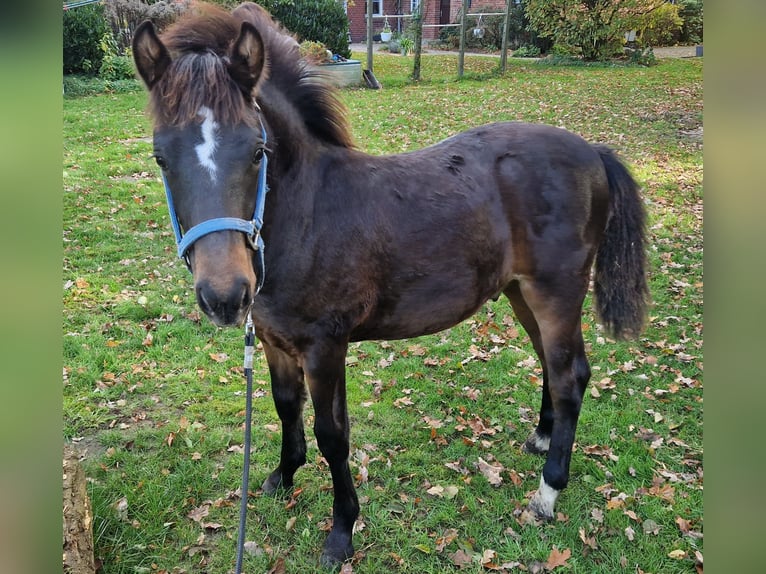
[(326, 373), (289, 391)]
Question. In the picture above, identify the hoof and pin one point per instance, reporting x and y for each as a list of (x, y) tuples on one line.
[(274, 482), (331, 560), (544, 501), (536, 444), (335, 551), (328, 560), (540, 510)]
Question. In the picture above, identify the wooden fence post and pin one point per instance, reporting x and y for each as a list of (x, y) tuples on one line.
[(504, 43), (417, 20), (461, 55)]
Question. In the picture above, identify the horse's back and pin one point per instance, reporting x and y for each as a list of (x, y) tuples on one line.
[(467, 216)]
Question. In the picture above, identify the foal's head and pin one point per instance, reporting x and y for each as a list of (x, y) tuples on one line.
[(209, 141)]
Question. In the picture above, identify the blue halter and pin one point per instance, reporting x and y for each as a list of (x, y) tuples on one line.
[(252, 228)]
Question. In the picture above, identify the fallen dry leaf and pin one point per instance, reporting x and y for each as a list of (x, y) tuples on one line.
[(197, 514), (460, 558), (557, 558), (443, 541), (491, 472), (278, 568), (650, 527), (589, 541)]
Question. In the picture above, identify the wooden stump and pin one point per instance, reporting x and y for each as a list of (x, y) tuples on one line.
[(78, 518)]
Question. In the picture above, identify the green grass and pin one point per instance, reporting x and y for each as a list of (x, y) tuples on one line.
[(153, 394)]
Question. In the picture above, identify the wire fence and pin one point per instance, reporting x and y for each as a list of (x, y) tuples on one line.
[(79, 3), (478, 31)]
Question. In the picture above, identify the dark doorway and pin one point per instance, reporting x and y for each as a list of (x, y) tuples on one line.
[(444, 11)]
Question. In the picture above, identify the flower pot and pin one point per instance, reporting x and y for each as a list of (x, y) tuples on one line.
[(385, 36)]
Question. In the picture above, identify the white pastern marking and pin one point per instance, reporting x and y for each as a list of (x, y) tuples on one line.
[(207, 148), (542, 443), (544, 500)]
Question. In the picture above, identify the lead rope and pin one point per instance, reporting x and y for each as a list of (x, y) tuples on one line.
[(249, 354)]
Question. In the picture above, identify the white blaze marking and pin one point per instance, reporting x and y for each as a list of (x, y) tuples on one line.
[(206, 149)]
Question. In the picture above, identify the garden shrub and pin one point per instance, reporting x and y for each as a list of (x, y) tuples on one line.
[(596, 30), (84, 27), (125, 16), (322, 21), (690, 12), (526, 51), (660, 27), (642, 57), (115, 66)]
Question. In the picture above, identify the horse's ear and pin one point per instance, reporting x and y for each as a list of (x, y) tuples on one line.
[(150, 54), (248, 57)]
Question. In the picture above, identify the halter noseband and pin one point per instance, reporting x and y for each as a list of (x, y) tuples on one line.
[(252, 228)]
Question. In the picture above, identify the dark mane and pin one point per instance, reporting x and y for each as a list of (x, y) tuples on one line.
[(199, 44)]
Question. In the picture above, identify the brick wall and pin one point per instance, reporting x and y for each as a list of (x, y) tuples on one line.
[(358, 25)]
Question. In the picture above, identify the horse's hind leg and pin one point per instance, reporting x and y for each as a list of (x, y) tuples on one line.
[(539, 441), (556, 308), (289, 391)]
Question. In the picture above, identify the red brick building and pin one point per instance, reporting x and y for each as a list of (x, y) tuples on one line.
[(435, 12)]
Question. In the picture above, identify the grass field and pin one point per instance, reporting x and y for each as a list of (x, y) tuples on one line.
[(154, 394)]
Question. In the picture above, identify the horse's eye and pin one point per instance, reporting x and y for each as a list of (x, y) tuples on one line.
[(161, 161), (258, 155)]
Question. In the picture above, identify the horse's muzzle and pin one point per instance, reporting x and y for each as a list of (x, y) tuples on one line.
[(225, 303)]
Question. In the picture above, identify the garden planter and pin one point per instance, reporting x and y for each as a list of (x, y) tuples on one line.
[(348, 73)]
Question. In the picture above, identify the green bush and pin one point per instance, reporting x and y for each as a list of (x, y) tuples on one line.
[(660, 27), (642, 57), (691, 13), (526, 51), (115, 66), (322, 21), (83, 30), (595, 30)]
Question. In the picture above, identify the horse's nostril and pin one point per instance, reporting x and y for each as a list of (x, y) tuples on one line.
[(202, 300), (246, 298)]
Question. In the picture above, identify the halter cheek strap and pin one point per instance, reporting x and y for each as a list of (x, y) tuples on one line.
[(252, 228)]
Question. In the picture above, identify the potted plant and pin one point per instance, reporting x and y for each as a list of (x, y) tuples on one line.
[(339, 70), (406, 45), (385, 34)]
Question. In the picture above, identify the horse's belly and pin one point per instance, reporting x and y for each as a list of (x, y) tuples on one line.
[(421, 312)]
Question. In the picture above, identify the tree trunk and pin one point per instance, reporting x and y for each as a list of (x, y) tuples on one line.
[(78, 518)]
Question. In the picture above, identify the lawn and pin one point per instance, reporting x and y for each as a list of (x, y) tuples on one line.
[(154, 393)]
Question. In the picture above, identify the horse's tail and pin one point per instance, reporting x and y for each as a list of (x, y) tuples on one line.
[(621, 290)]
